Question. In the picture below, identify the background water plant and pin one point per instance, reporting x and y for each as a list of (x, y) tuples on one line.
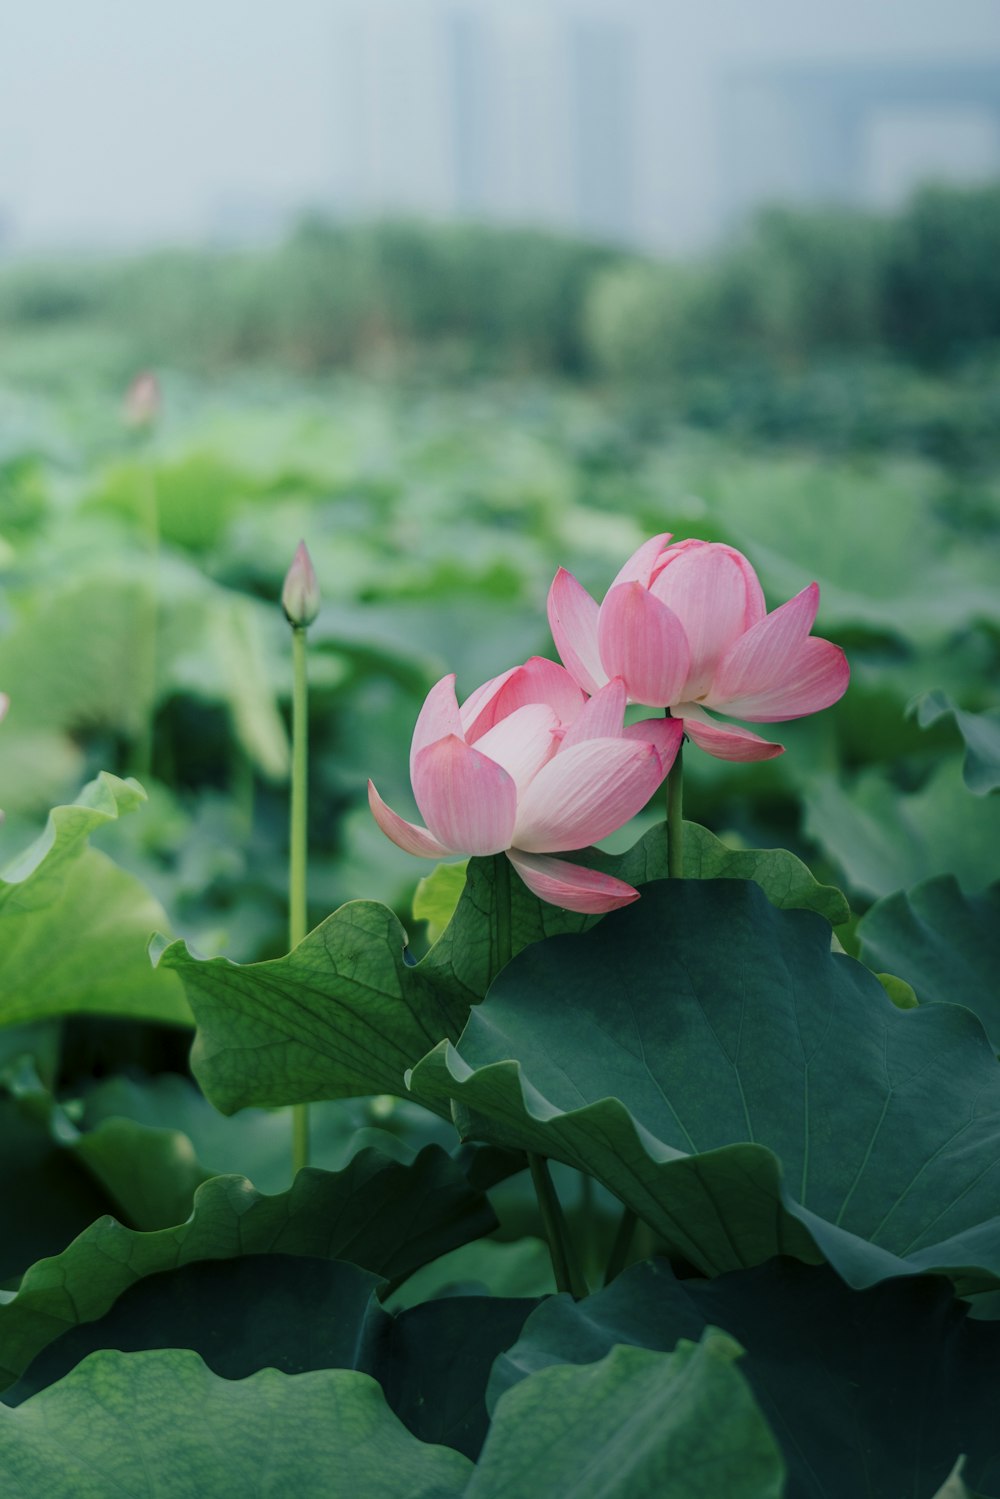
[(778, 1073)]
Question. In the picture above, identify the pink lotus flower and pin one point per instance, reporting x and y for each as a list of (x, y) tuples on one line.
[(529, 766), (686, 628)]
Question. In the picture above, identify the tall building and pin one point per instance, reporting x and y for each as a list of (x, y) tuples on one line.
[(648, 123)]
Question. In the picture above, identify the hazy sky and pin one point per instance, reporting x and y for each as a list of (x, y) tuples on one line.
[(124, 122)]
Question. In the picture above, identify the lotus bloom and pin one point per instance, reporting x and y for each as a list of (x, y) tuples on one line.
[(529, 766), (685, 627)]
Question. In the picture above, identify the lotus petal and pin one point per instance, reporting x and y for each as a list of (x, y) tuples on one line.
[(466, 799), (643, 641), (573, 618), (570, 885)]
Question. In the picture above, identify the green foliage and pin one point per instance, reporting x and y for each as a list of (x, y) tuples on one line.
[(386, 1218), (73, 924), (909, 1381), (165, 1414), (346, 1014), (946, 944), (980, 731), (699, 1075), (679, 1425)]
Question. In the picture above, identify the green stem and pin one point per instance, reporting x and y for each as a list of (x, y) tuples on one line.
[(143, 753), (298, 848), (567, 1274), (621, 1246), (675, 817)]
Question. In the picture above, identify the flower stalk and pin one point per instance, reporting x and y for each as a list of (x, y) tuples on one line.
[(675, 816), (567, 1274), (300, 601)]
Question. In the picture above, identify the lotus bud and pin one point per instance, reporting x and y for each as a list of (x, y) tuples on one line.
[(143, 401), (300, 595)]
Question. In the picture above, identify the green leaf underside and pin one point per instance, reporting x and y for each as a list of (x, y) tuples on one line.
[(981, 732), (74, 927), (344, 1014), (679, 1425), (908, 1381), (743, 1089), (943, 942), (386, 1217), (162, 1425), (308, 1314)]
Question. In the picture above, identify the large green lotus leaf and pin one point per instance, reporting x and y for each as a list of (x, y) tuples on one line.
[(151, 1175), (868, 1392), (48, 1197), (162, 1425), (886, 840), (981, 732), (257, 1142), (74, 927), (743, 1089), (345, 1013), (296, 1314), (383, 1216), (944, 943), (88, 657), (637, 1425)]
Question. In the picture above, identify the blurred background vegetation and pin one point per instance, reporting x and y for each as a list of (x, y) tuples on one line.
[(836, 325), (447, 413)]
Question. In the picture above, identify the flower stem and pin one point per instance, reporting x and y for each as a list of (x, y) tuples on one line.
[(568, 1276), (143, 752), (675, 817), (621, 1246), (298, 848)]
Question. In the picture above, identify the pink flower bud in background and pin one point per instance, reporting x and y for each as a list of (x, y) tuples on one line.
[(300, 595), (143, 400), (529, 766), (686, 628)]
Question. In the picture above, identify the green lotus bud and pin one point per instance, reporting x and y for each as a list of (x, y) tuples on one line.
[(300, 595)]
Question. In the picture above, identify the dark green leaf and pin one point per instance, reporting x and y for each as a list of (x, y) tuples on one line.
[(637, 1425), (345, 1013), (943, 942), (746, 1091), (868, 1392), (387, 1218)]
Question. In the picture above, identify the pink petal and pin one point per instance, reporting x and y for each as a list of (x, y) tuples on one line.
[(602, 717), (437, 718), (522, 742), (541, 681), (715, 594), (643, 641), (573, 621), (570, 885), (466, 799), (664, 734), (777, 670), (406, 835), (585, 793), (726, 741), (640, 566), (473, 712)]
